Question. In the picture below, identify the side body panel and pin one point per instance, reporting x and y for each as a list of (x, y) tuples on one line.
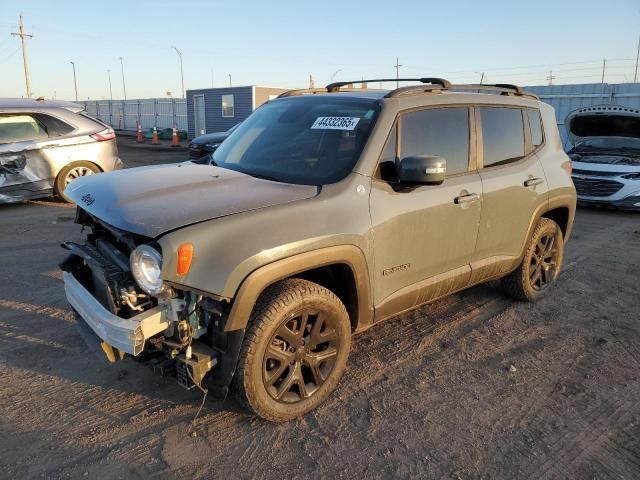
[(420, 234)]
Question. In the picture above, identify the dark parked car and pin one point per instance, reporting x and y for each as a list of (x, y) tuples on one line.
[(204, 145)]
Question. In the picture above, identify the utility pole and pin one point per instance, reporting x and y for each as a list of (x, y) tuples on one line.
[(110, 89), (635, 75), (481, 78), (551, 77), (124, 86), (75, 82), (22, 36), (604, 66), (181, 74), (229, 80), (397, 67)]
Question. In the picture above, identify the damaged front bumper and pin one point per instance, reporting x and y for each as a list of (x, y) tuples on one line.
[(127, 335)]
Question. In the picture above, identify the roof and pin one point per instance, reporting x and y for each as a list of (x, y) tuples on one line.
[(32, 103)]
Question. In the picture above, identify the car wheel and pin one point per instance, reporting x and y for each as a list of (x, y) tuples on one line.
[(541, 263), (295, 350), (70, 173)]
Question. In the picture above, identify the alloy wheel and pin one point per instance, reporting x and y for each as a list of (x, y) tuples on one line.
[(301, 356), (544, 261), (77, 172)]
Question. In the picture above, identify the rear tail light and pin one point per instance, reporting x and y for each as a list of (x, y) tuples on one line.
[(104, 135)]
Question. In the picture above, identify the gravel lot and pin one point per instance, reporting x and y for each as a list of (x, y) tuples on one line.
[(472, 386)]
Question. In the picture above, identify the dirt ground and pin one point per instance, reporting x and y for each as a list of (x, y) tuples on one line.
[(472, 386)]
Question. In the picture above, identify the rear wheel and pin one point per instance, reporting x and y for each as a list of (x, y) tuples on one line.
[(295, 350), (541, 263), (70, 173)]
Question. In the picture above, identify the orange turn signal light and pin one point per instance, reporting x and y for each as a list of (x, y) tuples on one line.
[(185, 255)]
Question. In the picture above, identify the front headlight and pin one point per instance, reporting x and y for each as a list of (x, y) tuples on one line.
[(146, 264)]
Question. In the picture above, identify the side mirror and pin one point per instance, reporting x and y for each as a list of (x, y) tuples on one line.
[(422, 169)]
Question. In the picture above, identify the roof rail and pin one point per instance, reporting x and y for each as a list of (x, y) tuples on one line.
[(502, 88), (430, 85), (334, 87), (301, 91)]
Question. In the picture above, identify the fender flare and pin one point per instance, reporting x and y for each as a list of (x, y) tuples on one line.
[(255, 283)]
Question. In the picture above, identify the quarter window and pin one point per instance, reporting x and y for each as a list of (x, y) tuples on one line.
[(20, 128), (438, 131), (536, 127), (502, 135), (228, 108)]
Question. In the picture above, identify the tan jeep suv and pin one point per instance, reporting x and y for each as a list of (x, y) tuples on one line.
[(325, 212)]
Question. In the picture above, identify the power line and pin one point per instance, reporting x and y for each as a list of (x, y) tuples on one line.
[(22, 36)]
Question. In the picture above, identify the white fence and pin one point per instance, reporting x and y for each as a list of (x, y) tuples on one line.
[(150, 112), (567, 98)]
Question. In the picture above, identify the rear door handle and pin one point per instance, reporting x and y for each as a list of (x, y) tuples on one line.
[(532, 182), (469, 197)]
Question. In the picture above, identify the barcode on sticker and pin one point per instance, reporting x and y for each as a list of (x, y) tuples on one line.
[(335, 123)]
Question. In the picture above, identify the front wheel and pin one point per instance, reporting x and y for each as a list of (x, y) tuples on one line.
[(541, 263), (295, 350)]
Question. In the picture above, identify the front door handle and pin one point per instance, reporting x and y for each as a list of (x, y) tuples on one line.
[(532, 182), (469, 197)]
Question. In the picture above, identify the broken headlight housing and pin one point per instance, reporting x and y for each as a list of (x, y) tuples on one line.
[(146, 265)]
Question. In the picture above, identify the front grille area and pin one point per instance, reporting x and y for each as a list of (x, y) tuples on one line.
[(596, 187), (596, 173)]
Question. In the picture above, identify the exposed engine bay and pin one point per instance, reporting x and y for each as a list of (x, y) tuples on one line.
[(193, 344)]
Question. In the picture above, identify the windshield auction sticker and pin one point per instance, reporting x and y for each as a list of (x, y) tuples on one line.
[(335, 123)]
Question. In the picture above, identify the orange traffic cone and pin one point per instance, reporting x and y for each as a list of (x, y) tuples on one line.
[(140, 135), (154, 138), (175, 138)]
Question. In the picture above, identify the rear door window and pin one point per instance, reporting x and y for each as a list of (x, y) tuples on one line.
[(20, 128), (438, 131), (502, 135)]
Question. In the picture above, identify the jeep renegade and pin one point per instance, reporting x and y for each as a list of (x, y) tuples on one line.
[(325, 212)]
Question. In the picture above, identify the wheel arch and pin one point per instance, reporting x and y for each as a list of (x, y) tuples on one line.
[(342, 269)]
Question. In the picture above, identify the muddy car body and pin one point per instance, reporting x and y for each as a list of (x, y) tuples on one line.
[(45, 144), (606, 155), (323, 213)]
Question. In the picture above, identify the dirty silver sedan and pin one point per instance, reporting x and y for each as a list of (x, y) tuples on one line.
[(45, 145)]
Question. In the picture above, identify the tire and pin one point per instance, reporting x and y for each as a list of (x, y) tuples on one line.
[(71, 172), (540, 265), (297, 315)]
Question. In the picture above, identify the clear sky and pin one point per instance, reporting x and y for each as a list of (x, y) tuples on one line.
[(281, 43)]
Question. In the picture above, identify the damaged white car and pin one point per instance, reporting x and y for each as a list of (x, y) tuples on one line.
[(44, 145), (606, 155)]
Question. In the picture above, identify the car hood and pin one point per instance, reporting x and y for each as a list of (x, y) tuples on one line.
[(210, 138), (150, 201), (602, 121)]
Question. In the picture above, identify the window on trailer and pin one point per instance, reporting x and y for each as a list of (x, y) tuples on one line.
[(228, 106)]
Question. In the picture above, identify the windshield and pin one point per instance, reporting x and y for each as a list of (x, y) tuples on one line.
[(311, 140), (610, 143)]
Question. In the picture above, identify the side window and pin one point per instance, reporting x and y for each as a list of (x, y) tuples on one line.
[(20, 128), (438, 131), (54, 126), (535, 123), (228, 106), (502, 135)]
